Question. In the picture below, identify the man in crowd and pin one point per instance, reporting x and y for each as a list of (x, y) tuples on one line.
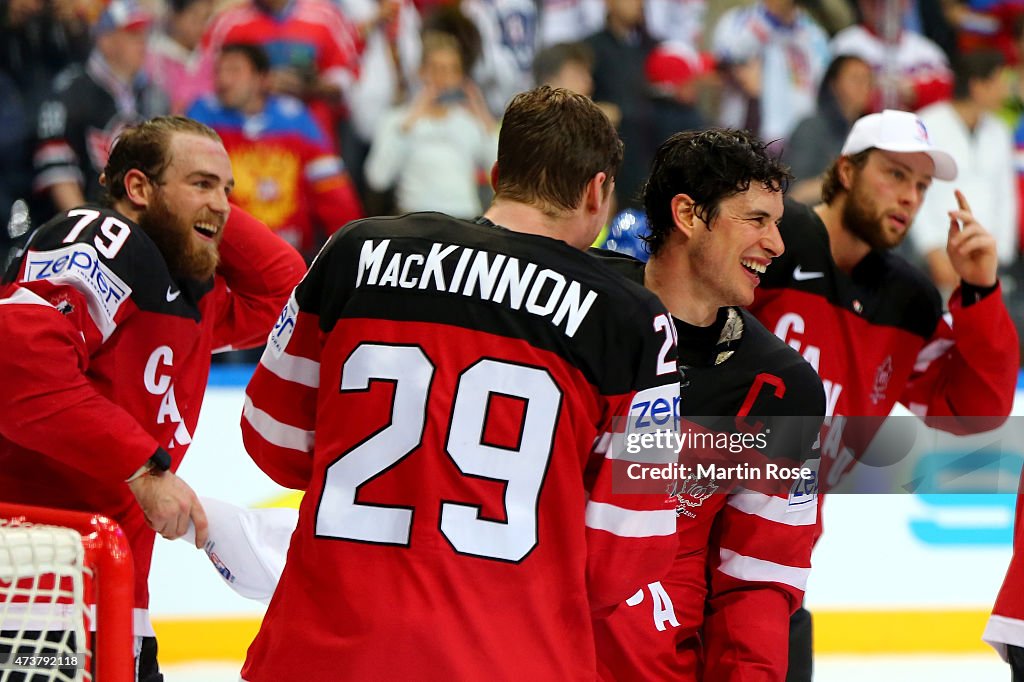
[(470, 480), (90, 107), (872, 325), (109, 319), (982, 145), (287, 173), (713, 201)]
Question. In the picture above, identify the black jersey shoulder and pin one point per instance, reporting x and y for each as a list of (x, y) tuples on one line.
[(627, 266), (723, 387), (763, 352), (112, 256), (904, 295), (762, 386), (429, 267)]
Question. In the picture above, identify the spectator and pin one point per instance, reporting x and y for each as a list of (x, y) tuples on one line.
[(38, 40), (620, 50), (430, 149), (676, 73), (773, 56), (1012, 113), (982, 24), (313, 50), (388, 67), (15, 131), (569, 21), (844, 96), (680, 21), (565, 65), (91, 106), (508, 30), (175, 62), (286, 172), (982, 145), (911, 71), (563, 21), (569, 66)]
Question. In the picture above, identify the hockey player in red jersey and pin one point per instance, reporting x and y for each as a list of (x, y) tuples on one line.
[(445, 391), (713, 201), (871, 324), (109, 319)]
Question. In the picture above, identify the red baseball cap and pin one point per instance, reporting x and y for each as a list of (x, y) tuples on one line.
[(672, 64)]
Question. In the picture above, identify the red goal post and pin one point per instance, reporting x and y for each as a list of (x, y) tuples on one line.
[(66, 572)]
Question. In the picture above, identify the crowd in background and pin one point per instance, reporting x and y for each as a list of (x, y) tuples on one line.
[(335, 109)]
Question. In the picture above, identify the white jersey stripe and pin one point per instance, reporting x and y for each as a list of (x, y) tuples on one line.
[(629, 523), (758, 570), (275, 432), (293, 368), (1000, 631), (771, 508), (25, 297)]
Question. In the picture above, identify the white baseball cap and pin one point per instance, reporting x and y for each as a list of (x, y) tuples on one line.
[(248, 547), (898, 131)]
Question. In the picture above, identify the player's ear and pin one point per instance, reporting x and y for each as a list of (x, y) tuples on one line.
[(597, 192), (137, 188), (684, 215), (845, 169), (494, 176)]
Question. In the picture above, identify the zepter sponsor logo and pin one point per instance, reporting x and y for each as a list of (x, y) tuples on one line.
[(79, 266), (283, 329)]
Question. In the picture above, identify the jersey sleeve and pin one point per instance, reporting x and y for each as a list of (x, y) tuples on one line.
[(279, 414), (930, 83), (1006, 624), (338, 62), (257, 271), (760, 560), (759, 554), (968, 369), (335, 202), (55, 160), (633, 532), (74, 291)]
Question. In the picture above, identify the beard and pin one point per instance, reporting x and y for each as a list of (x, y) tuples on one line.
[(862, 219), (185, 257)]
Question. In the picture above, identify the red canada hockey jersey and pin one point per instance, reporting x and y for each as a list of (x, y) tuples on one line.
[(106, 359), (313, 37), (877, 336), (442, 390), (722, 612)]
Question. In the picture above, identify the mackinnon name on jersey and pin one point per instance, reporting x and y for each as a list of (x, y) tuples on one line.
[(470, 272)]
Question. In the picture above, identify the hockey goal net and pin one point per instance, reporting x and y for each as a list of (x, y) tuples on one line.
[(66, 597)]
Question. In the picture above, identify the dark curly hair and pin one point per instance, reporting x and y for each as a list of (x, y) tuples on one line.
[(709, 166)]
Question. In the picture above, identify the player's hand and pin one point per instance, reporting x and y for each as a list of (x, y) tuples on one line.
[(168, 503), (970, 247)]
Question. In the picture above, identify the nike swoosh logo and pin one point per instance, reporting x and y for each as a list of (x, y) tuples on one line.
[(171, 296), (801, 275)]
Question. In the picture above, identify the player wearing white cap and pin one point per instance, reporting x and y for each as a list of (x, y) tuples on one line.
[(873, 325)]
